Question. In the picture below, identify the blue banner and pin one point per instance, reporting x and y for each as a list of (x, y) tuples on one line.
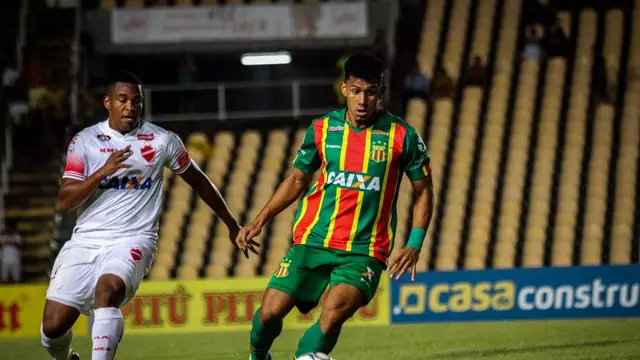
[(545, 293)]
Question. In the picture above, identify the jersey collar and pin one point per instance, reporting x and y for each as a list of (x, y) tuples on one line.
[(343, 116), (104, 127)]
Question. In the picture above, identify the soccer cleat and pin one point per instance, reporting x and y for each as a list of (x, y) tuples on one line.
[(74, 356)]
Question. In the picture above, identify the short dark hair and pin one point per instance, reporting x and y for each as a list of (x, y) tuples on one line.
[(365, 65), (125, 77)]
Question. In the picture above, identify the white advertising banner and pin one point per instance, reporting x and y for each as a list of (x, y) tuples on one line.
[(239, 22)]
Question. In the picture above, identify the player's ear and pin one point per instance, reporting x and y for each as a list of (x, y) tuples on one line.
[(343, 87), (106, 102), (382, 91)]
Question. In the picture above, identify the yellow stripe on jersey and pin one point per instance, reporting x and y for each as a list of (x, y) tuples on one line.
[(374, 231), (343, 155), (303, 210), (365, 169), (323, 144)]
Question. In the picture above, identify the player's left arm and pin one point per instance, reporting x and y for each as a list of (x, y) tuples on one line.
[(416, 164), (180, 162), (208, 192), (424, 204)]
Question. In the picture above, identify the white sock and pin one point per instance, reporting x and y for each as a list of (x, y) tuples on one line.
[(59, 348), (106, 333)]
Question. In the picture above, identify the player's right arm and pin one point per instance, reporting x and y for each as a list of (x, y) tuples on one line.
[(305, 164), (77, 185), (286, 194)]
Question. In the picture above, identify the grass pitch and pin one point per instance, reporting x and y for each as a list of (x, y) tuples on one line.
[(557, 340)]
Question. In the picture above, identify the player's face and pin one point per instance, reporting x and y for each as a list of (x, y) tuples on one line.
[(362, 97), (124, 104)]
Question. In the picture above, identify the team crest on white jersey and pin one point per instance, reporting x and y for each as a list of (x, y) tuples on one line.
[(148, 153)]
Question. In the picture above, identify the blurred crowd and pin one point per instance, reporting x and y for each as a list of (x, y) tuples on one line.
[(38, 105)]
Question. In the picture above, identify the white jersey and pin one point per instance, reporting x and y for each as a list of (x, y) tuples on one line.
[(128, 203)]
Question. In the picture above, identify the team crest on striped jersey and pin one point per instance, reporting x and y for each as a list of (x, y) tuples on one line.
[(283, 269), (378, 152)]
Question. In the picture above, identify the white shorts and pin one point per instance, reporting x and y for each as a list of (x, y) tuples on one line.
[(80, 264)]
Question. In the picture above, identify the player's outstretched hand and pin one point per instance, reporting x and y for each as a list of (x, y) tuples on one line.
[(115, 161), (407, 259), (244, 239)]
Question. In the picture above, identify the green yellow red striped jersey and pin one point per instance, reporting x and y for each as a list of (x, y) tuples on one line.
[(352, 206)]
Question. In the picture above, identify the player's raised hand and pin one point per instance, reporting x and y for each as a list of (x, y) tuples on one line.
[(407, 259), (116, 160), (244, 239)]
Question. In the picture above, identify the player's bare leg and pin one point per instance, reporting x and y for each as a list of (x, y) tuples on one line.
[(107, 329), (341, 303), (267, 322), (55, 333)]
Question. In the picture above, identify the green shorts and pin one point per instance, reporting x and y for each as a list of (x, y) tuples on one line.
[(305, 272)]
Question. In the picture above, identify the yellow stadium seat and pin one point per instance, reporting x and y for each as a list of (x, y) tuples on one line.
[(246, 271), (216, 271), (187, 272), (159, 273)]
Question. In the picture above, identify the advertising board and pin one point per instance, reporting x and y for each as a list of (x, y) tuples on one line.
[(222, 304), (21, 309), (509, 294), (239, 22)]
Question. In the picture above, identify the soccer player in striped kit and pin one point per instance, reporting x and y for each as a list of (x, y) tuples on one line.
[(344, 229)]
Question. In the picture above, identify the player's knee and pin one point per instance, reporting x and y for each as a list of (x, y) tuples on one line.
[(336, 311), (333, 319), (270, 314), (110, 291), (53, 326), (275, 306), (57, 319)]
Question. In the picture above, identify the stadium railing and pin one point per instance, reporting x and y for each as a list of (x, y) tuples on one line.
[(238, 100)]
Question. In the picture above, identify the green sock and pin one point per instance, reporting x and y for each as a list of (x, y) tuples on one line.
[(262, 336), (314, 340)]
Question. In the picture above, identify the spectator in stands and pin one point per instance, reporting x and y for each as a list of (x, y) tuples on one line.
[(531, 50), (416, 85), (539, 12), (10, 243), (14, 97), (443, 86), (556, 41), (476, 73)]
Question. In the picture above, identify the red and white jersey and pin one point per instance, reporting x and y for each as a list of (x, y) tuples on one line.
[(128, 203)]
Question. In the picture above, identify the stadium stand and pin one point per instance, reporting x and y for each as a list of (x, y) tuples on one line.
[(513, 162), (623, 210), (538, 130), (538, 167)]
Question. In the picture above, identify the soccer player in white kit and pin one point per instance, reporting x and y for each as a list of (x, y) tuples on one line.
[(116, 167)]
